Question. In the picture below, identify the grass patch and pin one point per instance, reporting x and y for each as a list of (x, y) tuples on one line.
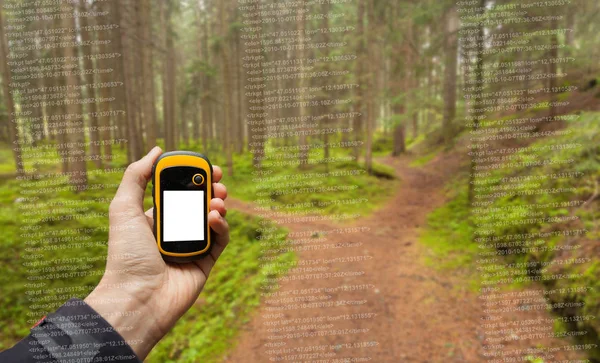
[(571, 161), (449, 238), (208, 329), (383, 145), (338, 187), (76, 230), (423, 160), (7, 162)]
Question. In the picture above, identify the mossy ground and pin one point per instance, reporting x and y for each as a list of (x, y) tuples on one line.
[(209, 329), (449, 232)]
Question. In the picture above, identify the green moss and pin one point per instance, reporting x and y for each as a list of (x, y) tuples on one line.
[(448, 232), (383, 145), (448, 236), (233, 291), (423, 160), (320, 184), (7, 164), (207, 330)]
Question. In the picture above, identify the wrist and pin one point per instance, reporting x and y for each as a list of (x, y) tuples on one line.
[(129, 315)]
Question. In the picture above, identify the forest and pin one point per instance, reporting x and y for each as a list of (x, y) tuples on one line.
[(358, 95)]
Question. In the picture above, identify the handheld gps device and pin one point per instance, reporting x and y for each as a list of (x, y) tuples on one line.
[(182, 190)]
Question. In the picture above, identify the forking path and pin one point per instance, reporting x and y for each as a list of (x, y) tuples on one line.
[(422, 314)]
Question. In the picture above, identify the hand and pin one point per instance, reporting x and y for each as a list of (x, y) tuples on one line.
[(136, 278)]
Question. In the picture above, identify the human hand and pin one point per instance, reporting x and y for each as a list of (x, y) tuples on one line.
[(140, 295)]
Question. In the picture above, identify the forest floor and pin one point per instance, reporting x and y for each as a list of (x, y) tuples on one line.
[(422, 313)]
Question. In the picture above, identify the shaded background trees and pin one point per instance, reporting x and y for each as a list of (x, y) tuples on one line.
[(181, 78), (317, 93)]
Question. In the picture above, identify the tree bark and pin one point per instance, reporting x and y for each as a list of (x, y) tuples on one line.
[(124, 44), (360, 68), (325, 9), (553, 69), (8, 98), (371, 94), (105, 92), (399, 134), (90, 91), (57, 126), (301, 54), (479, 83), (76, 138), (450, 75), (402, 63), (207, 81), (148, 74), (227, 84), (169, 78)]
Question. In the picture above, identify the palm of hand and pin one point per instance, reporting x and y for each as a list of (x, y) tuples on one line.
[(166, 290)]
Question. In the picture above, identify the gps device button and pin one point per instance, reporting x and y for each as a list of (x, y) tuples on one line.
[(198, 179)]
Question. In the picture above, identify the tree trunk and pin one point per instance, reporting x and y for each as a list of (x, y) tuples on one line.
[(183, 115), (235, 123), (478, 93), (371, 94), (325, 9), (38, 132), (399, 134), (105, 92), (76, 138), (402, 63), (257, 145), (227, 84), (207, 82), (8, 97), (451, 56), (57, 127), (301, 54), (90, 91), (553, 69), (137, 93), (148, 74), (360, 69), (195, 106), (414, 78), (123, 43), (241, 98), (169, 98), (239, 86)]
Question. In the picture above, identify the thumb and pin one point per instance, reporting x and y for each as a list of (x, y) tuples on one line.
[(130, 194)]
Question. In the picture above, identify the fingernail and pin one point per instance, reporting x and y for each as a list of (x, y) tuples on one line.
[(152, 150)]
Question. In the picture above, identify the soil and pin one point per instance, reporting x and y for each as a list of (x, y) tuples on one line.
[(420, 313)]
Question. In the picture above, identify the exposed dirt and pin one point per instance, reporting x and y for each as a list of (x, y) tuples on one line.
[(423, 314)]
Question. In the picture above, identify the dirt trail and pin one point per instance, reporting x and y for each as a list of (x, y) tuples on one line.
[(421, 314)]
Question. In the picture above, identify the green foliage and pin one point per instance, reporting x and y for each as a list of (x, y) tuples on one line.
[(233, 291), (7, 162), (382, 145), (366, 191), (423, 160), (448, 235), (532, 359), (452, 223), (209, 327)]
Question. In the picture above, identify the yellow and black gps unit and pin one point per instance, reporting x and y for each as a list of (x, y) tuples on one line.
[(182, 190)]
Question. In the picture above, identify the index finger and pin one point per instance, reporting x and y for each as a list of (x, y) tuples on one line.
[(217, 173)]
